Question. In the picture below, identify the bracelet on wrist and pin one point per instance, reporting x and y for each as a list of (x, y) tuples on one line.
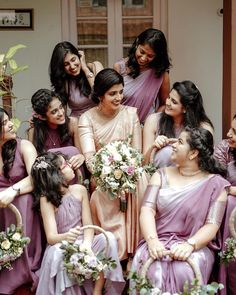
[(17, 190), (90, 75)]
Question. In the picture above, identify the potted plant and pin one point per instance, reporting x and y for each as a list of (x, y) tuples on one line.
[(8, 68)]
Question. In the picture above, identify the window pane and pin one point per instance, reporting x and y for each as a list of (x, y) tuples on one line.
[(133, 27), (92, 32), (91, 8), (137, 7), (99, 54)]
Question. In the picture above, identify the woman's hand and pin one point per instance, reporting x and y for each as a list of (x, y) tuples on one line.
[(73, 234), (82, 60), (76, 161), (7, 196), (162, 141), (181, 251), (156, 249)]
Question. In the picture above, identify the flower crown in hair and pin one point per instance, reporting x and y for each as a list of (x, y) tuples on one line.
[(40, 163)]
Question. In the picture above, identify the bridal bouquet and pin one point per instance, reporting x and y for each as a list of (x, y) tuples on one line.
[(12, 244), (81, 265), (116, 168)]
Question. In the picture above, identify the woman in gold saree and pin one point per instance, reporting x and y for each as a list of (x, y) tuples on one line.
[(107, 122)]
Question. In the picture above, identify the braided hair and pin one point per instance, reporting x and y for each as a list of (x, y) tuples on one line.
[(202, 140), (8, 148), (40, 102), (191, 99), (48, 179)]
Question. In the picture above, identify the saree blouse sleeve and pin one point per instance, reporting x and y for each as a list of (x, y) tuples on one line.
[(137, 134), (216, 212), (150, 196), (86, 137), (221, 152)]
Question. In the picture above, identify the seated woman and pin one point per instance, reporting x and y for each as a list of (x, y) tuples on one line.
[(225, 152), (182, 211), (184, 107), (54, 130), (16, 158), (111, 121), (65, 208)]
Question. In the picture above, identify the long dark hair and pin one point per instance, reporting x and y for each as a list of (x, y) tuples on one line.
[(60, 80), (8, 148), (202, 140), (104, 80), (157, 42), (47, 178), (40, 102), (194, 116)]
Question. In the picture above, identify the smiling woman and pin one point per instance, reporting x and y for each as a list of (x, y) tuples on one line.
[(16, 158), (147, 67), (109, 122), (53, 129), (72, 78)]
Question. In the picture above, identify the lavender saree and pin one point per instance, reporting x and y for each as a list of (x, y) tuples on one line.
[(227, 273), (181, 212), (141, 92)]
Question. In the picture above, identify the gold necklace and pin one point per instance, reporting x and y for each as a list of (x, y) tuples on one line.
[(189, 174)]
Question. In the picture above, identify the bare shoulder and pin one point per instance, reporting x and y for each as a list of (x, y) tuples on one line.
[(27, 146), (79, 191), (151, 122)]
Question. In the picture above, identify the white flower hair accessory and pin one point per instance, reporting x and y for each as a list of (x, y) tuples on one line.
[(41, 163)]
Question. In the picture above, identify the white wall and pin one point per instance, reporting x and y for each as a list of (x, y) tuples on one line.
[(40, 43), (195, 36)]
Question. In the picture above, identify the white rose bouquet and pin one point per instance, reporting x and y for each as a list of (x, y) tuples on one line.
[(12, 244), (116, 168), (81, 265)]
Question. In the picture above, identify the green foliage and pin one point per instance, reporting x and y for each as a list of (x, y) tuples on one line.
[(144, 287), (9, 67), (229, 254)]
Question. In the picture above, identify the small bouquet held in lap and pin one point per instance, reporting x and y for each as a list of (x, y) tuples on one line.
[(12, 244), (117, 168), (81, 265)]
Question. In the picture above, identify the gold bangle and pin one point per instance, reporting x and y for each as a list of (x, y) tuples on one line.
[(17, 190)]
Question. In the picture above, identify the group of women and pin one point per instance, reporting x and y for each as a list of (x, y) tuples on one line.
[(180, 208)]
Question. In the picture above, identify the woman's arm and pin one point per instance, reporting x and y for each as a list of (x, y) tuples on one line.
[(149, 135), (87, 142), (116, 67), (86, 216), (202, 237), (23, 186), (164, 91), (137, 133), (148, 224), (208, 127)]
